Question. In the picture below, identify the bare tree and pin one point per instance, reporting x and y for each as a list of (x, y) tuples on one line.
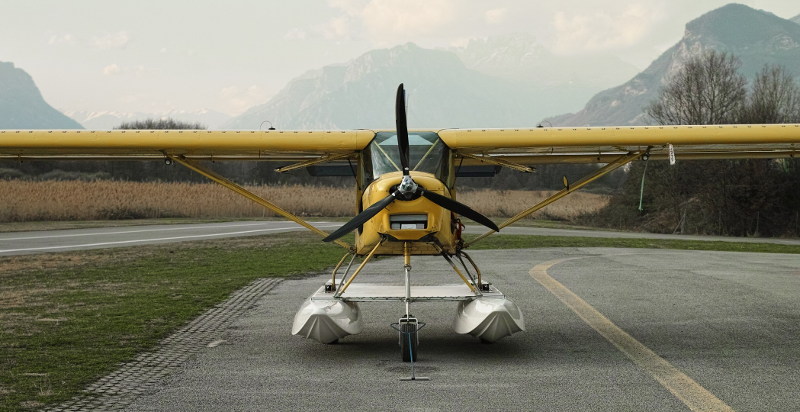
[(707, 90), (775, 98), (735, 197), (160, 124)]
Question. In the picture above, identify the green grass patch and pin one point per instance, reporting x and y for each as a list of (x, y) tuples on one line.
[(63, 328), (530, 241)]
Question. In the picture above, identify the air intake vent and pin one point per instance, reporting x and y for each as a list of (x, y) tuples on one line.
[(408, 221)]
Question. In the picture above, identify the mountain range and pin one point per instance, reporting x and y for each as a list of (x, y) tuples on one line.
[(509, 81), (506, 81), (512, 81), (22, 105), (756, 37)]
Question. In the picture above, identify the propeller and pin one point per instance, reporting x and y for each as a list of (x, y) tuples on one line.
[(459, 209), (402, 127), (408, 189), (362, 218)]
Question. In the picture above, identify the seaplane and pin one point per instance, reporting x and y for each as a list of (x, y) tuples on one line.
[(405, 196)]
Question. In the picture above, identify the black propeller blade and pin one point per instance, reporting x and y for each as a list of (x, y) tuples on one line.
[(402, 128), (459, 208), (362, 217)]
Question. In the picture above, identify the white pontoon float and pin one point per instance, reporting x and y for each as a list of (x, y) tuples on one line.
[(332, 312)]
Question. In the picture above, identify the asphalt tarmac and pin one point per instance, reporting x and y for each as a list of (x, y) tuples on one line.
[(607, 329), (46, 241)]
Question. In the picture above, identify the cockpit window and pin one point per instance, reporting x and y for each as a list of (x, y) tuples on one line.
[(426, 153)]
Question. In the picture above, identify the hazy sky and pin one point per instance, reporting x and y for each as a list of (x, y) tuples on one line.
[(159, 55)]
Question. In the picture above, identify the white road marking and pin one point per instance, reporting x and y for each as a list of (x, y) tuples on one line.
[(122, 242), (165, 229)]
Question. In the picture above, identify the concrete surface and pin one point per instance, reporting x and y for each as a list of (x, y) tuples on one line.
[(728, 322)]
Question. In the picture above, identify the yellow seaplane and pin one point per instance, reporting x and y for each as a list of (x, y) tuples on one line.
[(405, 194)]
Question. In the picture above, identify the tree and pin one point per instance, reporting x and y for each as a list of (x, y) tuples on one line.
[(160, 124), (775, 98), (736, 197), (707, 90)]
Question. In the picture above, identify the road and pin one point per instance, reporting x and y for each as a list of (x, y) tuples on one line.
[(20, 243), (607, 329), (23, 243)]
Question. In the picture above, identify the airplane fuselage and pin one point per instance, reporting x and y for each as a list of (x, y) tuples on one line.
[(418, 221)]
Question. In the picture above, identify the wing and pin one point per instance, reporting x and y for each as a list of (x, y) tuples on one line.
[(605, 144), (191, 144)]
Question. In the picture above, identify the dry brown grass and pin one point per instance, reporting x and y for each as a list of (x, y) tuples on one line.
[(78, 200), (507, 203), (23, 201)]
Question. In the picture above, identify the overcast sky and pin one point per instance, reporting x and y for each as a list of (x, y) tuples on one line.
[(160, 55)]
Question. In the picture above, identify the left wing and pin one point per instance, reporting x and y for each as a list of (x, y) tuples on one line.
[(191, 144)]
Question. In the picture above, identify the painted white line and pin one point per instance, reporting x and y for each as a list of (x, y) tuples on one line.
[(121, 232), (122, 242)]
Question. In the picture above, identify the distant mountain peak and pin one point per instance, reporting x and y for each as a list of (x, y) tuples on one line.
[(493, 82), (739, 26), (756, 37), (22, 105), (520, 57)]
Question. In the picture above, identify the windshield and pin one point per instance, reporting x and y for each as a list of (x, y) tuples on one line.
[(426, 153)]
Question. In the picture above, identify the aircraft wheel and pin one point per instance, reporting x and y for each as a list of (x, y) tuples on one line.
[(408, 341)]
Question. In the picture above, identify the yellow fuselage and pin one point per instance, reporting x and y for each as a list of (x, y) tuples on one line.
[(419, 221)]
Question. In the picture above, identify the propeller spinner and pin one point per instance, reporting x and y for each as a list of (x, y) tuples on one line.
[(408, 189)]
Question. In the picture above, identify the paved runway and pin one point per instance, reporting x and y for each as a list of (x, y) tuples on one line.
[(713, 330), (23, 243)]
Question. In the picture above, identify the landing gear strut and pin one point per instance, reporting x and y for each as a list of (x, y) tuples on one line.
[(408, 326)]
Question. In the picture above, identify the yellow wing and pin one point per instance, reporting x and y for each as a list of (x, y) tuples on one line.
[(513, 146), (192, 144), (605, 144)]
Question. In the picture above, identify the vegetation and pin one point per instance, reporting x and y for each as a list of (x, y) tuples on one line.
[(106, 199), (160, 124), (752, 197)]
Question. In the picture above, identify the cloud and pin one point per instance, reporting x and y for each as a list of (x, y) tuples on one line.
[(407, 18), (338, 28), (388, 21), (295, 34), (496, 16), (66, 38), (603, 30), (112, 70), (111, 41)]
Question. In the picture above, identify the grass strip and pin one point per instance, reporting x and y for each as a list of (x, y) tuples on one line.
[(531, 241)]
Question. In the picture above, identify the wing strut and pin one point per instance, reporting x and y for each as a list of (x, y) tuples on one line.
[(312, 162), (621, 161), (496, 160), (194, 166)]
